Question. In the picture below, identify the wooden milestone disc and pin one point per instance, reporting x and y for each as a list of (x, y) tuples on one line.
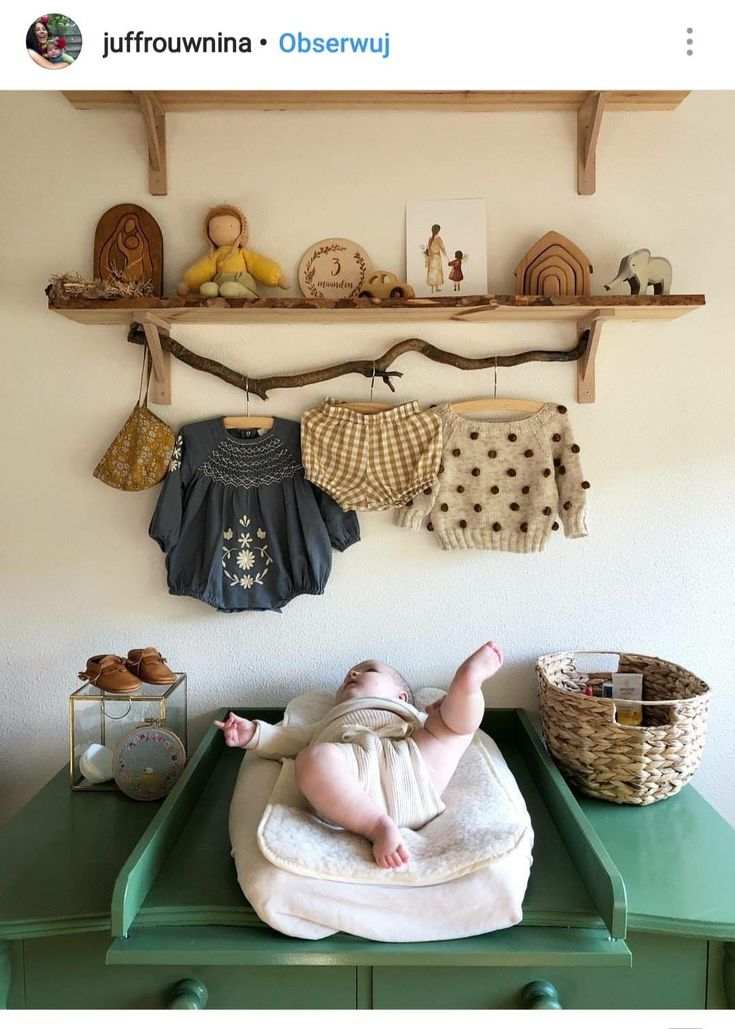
[(333, 269)]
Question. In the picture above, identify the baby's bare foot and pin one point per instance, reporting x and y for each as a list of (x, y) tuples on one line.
[(482, 664), (389, 850)]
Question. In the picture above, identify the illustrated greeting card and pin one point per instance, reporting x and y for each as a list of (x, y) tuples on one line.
[(446, 247)]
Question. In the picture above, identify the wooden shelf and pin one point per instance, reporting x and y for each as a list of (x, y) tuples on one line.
[(301, 311), (180, 101), (590, 314), (590, 107)]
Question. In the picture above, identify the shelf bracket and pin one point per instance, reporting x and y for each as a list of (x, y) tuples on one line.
[(586, 364), (154, 118), (589, 121), (160, 389)]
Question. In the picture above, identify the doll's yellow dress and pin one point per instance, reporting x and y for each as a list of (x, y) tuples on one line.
[(232, 272)]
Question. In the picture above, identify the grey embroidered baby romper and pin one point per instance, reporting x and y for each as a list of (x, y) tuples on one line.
[(241, 527)]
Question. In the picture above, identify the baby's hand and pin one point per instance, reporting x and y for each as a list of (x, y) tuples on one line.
[(238, 731)]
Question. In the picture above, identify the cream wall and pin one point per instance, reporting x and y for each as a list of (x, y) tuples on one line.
[(80, 575)]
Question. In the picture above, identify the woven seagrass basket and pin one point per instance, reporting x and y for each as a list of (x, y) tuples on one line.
[(627, 764)]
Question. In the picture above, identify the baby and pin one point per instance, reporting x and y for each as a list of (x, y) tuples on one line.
[(373, 764)]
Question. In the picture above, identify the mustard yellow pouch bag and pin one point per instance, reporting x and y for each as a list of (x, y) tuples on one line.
[(139, 455)]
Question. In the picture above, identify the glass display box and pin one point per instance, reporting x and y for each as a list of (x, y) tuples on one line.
[(98, 719)]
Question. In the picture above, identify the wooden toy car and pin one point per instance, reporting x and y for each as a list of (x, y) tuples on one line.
[(382, 285)]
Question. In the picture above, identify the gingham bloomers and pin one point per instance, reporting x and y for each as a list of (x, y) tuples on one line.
[(503, 485), (371, 462)]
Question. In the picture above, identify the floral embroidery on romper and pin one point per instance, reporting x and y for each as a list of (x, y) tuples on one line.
[(176, 455), (245, 550)]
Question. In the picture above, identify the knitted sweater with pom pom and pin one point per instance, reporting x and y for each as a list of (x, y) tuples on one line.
[(503, 485)]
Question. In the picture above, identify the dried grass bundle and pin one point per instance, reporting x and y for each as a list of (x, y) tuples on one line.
[(71, 286)]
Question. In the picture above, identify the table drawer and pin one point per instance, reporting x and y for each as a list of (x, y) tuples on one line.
[(70, 972), (667, 972)]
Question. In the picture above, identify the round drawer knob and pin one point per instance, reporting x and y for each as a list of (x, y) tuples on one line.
[(189, 994), (540, 995)]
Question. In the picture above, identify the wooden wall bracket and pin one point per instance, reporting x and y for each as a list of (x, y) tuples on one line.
[(589, 121), (154, 118), (160, 388), (592, 324)]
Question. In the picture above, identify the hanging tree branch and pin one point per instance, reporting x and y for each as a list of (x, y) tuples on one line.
[(379, 367)]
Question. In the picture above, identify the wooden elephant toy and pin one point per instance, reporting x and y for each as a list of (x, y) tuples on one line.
[(640, 271)]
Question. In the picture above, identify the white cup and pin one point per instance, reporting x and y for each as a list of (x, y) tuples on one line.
[(95, 764)]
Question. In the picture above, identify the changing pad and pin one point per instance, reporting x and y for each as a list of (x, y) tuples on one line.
[(384, 904)]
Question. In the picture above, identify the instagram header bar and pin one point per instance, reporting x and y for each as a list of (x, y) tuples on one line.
[(376, 46)]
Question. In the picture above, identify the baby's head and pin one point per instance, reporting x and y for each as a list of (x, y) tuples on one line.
[(373, 679)]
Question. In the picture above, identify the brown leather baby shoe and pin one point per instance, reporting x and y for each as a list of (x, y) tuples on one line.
[(149, 666), (108, 673)]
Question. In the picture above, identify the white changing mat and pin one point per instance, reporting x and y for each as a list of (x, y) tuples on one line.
[(482, 899)]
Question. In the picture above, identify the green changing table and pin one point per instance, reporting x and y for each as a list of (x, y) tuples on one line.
[(109, 903)]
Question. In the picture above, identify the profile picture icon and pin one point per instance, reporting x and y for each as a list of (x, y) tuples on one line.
[(53, 41)]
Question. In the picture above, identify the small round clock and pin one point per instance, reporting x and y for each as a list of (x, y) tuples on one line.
[(147, 762)]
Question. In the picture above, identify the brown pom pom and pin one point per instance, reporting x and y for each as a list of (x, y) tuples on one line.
[(585, 485), (547, 511), (460, 489), (430, 526), (475, 472), (512, 437), (556, 437), (427, 491), (478, 508), (524, 526), (526, 489), (511, 472), (497, 526), (561, 409), (445, 507), (528, 453), (555, 526), (515, 507), (462, 523), (557, 462), (492, 453), (575, 448), (567, 505), (495, 489), (562, 470), (474, 435), (547, 472), (456, 451)]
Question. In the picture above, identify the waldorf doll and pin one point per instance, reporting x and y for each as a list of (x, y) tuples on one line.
[(229, 269)]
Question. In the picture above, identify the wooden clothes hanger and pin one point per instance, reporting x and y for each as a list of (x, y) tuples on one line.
[(366, 406), (496, 403), (247, 420)]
